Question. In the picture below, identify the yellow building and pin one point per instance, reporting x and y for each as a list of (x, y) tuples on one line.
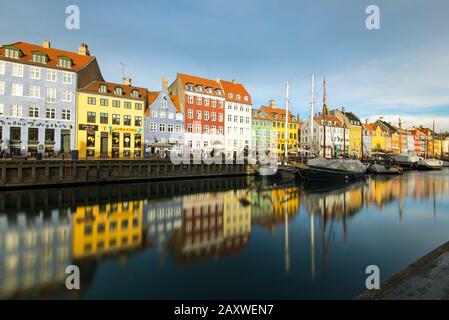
[(236, 216), (101, 229), (379, 142), (279, 126), (355, 135), (110, 120)]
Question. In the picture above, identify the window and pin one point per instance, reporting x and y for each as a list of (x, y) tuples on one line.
[(220, 117), (127, 120), (35, 91), (206, 115), (190, 128), (237, 97), (116, 103), (139, 106), (214, 103), (2, 67), (91, 101), (246, 98), (163, 104), (118, 91), (154, 113), (12, 53), (153, 127), (103, 89), (50, 113), (190, 99), (170, 115), (220, 130), (198, 115), (2, 87), (104, 102), (198, 128), (206, 102), (221, 104), (230, 95), (128, 105), (162, 115), (138, 121), (65, 114), (17, 70), (104, 118), (16, 110), (35, 73), (199, 101), (17, 89), (33, 135), (214, 116), (116, 119), (135, 94), (170, 128), (178, 128), (213, 129), (51, 95), (66, 96), (39, 57), (67, 78), (190, 114), (51, 75), (33, 112), (91, 117), (64, 62), (161, 127), (50, 135)]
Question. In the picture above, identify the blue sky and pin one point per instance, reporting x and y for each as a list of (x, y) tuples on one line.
[(399, 70)]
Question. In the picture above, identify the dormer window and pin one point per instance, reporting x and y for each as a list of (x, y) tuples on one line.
[(118, 91), (64, 62), (230, 95), (237, 97), (12, 53), (198, 88), (135, 94), (246, 98), (39, 57), (218, 92), (209, 89), (189, 86), (103, 89)]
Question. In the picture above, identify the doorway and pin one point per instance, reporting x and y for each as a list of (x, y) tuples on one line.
[(104, 145)]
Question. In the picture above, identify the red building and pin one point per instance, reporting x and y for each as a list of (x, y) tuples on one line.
[(202, 102)]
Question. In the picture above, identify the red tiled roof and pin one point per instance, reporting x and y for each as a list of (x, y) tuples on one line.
[(94, 87), (186, 78), (235, 89), (278, 111), (27, 49)]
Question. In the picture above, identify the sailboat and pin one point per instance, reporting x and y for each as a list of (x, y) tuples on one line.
[(322, 169)]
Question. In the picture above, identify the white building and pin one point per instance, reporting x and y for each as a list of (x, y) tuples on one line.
[(333, 137), (238, 114)]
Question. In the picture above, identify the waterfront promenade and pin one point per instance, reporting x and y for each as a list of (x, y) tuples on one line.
[(425, 279)]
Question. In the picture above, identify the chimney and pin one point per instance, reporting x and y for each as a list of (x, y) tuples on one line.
[(234, 82), (218, 80), (272, 104), (83, 50), (366, 121), (343, 109), (164, 82), (46, 44), (127, 81)]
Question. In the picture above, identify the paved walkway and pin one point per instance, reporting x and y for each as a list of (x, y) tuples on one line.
[(426, 279)]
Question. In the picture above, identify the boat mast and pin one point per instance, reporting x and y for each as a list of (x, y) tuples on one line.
[(287, 102), (324, 117), (400, 136), (312, 103)]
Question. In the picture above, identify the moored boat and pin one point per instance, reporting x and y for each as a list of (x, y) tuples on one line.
[(378, 168), (320, 169), (429, 164), (406, 161)]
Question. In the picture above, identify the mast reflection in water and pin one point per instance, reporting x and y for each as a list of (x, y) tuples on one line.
[(221, 238)]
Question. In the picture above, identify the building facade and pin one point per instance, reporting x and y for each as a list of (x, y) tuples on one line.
[(237, 115), (263, 133), (203, 103), (279, 119), (164, 123), (110, 120), (38, 87)]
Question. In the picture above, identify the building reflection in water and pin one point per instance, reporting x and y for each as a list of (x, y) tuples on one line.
[(188, 223)]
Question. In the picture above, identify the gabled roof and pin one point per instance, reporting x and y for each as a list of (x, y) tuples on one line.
[(351, 116), (261, 115), (236, 89), (278, 111), (332, 119), (94, 88), (27, 49), (214, 84), (152, 96)]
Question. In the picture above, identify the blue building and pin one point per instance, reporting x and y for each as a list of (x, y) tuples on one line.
[(164, 123), (38, 88)]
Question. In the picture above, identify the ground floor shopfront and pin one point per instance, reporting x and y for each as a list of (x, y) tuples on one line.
[(30, 140), (96, 141)]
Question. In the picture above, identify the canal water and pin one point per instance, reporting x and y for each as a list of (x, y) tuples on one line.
[(235, 238)]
